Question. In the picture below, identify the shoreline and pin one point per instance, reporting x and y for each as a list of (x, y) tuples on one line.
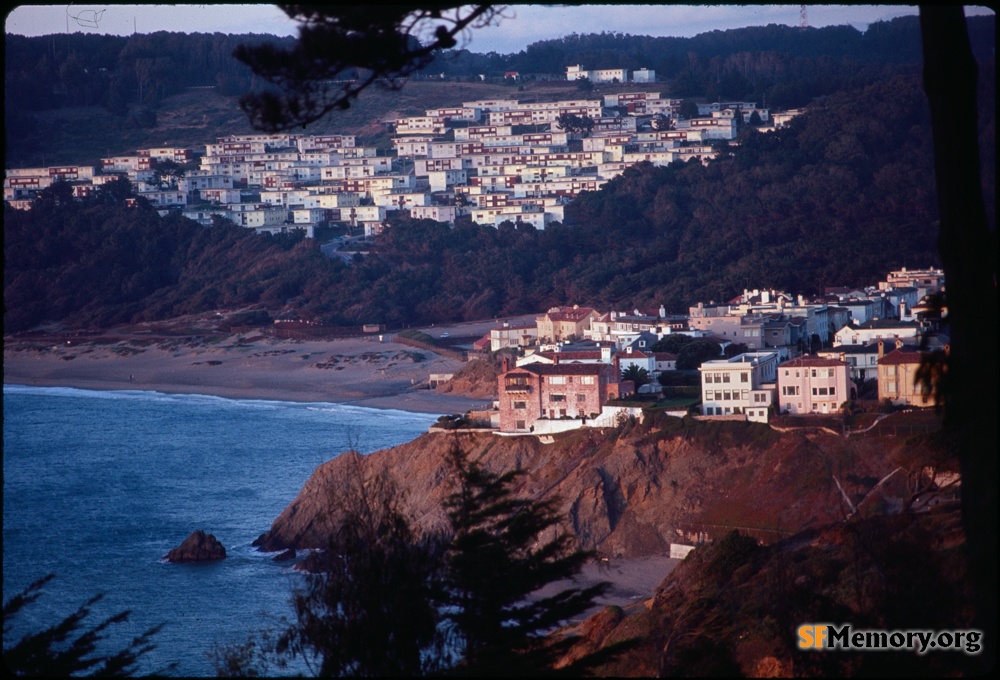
[(357, 372)]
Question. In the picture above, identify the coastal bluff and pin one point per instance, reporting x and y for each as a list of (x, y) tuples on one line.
[(629, 491)]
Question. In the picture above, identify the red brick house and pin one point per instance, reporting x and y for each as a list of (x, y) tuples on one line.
[(554, 391)]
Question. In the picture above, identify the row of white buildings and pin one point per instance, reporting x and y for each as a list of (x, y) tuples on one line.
[(491, 161)]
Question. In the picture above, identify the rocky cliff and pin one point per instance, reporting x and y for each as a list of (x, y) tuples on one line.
[(633, 490)]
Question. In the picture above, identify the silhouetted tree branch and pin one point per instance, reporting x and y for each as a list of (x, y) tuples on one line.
[(62, 650), (344, 49)]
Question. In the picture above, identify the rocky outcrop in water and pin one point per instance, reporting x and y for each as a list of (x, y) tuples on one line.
[(198, 547)]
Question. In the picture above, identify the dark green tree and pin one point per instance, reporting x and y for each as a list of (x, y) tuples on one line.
[(572, 123), (693, 354), (689, 109), (637, 374), (63, 649), (672, 343), (371, 608), (499, 556)]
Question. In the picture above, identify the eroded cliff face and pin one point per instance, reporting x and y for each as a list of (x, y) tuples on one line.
[(630, 491)]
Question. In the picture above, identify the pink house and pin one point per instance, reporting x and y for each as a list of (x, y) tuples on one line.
[(553, 391), (814, 385)]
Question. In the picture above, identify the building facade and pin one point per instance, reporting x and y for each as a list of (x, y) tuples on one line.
[(814, 385)]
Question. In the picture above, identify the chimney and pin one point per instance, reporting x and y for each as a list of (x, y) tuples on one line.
[(605, 355), (555, 358), (899, 343), (902, 310), (881, 349), (506, 364)]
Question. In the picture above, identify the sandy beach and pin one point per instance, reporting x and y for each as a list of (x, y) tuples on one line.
[(363, 372)]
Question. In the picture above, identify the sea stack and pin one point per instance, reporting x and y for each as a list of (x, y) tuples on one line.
[(198, 547)]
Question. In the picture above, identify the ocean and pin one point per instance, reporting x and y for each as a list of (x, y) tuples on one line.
[(99, 486)]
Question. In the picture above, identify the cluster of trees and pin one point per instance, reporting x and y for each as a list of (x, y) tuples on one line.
[(99, 262), (127, 76), (782, 66), (384, 601), (840, 197)]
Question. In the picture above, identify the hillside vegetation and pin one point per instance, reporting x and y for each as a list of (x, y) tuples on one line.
[(841, 197), (733, 606)]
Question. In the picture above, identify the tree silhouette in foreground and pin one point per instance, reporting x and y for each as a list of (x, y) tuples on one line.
[(504, 549), (385, 602), (370, 610), (343, 49), (62, 650), (968, 245)]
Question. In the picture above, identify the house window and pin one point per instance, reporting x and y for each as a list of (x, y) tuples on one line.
[(725, 377), (581, 398), (520, 425), (557, 397), (520, 404), (744, 377), (587, 380), (557, 380)]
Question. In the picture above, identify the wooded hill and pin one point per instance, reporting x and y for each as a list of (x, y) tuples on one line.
[(839, 198), (71, 99)]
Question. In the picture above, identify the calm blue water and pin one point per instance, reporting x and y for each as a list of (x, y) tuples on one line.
[(98, 486)]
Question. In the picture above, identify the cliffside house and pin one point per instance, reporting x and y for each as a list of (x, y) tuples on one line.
[(814, 385), (556, 391), (897, 378), (743, 384)]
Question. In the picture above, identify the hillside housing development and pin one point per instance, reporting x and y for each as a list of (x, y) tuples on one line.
[(489, 161)]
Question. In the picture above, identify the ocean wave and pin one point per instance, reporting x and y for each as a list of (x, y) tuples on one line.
[(267, 404)]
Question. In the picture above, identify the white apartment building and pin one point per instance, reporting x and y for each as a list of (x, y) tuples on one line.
[(743, 384)]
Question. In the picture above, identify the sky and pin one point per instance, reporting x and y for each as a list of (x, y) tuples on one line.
[(521, 26)]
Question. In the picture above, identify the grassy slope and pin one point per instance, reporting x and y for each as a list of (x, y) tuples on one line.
[(84, 135)]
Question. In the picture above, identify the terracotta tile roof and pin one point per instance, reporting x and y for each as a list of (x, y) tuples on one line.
[(897, 356), (579, 355), (811, 361), (562, 369)]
